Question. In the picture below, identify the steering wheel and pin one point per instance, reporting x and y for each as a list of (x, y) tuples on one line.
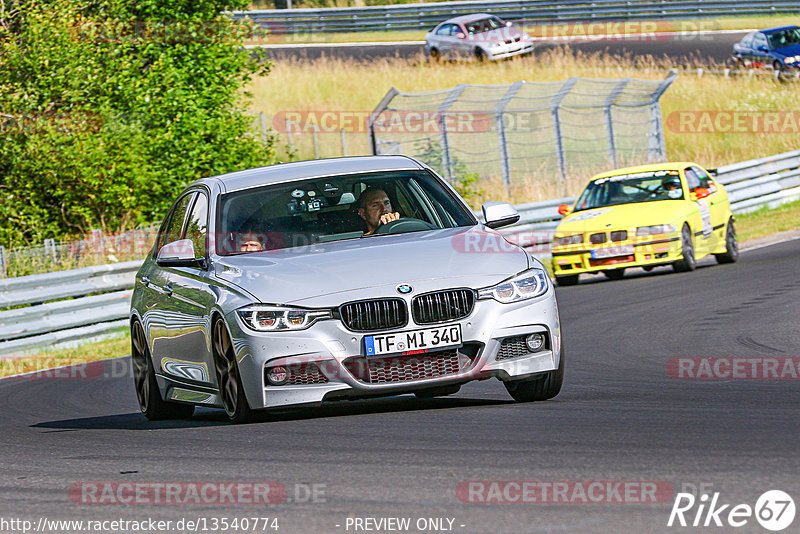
[(404, 224)]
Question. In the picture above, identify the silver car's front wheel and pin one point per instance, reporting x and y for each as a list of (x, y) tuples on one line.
[(231, 390), (144, 379)]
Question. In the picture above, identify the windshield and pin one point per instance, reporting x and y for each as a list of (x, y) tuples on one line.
[(784, 38), (335, 208), (483, 25), (630, 188)]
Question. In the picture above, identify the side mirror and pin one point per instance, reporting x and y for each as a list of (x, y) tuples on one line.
[(179, 254), (701, 192), (564, 210), (460, 35), (762, 48), (499, 214)]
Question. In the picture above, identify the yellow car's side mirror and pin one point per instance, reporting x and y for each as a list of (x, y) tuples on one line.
[(564, 210)]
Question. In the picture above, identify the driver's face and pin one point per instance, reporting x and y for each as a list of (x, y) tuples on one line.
[(377, 204)]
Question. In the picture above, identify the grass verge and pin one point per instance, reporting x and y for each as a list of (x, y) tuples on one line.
[(749, 226), (766, 221)]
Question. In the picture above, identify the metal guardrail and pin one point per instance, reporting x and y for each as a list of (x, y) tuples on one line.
[(422, 16), (51, 316)]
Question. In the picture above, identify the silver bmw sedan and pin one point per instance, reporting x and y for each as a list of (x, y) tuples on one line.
[(316, 281), (480, 36)]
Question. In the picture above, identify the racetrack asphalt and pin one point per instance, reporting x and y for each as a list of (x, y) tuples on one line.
[(681, 49), (620, 417)]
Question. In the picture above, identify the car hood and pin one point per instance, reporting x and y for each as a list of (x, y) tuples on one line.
[(329, 274), (787, 51), (622, 216), (498, 35)]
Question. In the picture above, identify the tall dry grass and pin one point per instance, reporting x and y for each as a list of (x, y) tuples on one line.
[(353, 85)]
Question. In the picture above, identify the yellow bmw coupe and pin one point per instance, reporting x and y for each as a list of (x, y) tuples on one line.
[(665, 214)]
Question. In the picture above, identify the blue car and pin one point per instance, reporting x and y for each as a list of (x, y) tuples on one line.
[(778, 48)]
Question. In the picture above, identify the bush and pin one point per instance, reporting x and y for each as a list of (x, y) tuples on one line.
[(108, 108)]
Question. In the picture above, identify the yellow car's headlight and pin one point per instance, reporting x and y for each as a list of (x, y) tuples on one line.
[(657, 229), (562, 241)]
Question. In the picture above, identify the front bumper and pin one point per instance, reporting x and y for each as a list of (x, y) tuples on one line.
[(649, 250), (325, 354), (509, 50)]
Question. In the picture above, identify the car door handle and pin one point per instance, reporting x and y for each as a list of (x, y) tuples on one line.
[(168, 289), (146, 280)]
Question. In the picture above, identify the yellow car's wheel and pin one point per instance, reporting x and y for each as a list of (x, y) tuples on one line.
[(688, 262), (731, 253)]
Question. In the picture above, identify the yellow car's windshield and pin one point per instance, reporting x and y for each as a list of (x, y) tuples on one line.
[(631, 188)]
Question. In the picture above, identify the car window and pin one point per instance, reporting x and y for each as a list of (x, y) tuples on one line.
[(196, 226), (784, 38), (447, 29), (630, 188), (692, 179), (759, 41), (483, 25), (307, 212), (177, 216)]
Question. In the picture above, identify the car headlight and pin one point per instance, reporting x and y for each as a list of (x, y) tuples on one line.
[(265, 318), (656, 229), (532, 283), (560, 241)]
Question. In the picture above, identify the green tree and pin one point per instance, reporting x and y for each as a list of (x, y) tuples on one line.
[(109, 107)]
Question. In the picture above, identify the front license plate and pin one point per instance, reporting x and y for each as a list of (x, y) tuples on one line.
[(611, 252), (414, 340)]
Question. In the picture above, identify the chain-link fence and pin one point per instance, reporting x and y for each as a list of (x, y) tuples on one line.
[(525, 131), (96, 249)]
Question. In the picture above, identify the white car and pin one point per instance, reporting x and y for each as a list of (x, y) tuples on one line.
[(480, 36)]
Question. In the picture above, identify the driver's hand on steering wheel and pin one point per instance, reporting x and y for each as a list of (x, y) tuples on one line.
[(389, 217)]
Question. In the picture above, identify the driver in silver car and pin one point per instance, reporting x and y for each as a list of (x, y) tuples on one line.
[(375, 208)]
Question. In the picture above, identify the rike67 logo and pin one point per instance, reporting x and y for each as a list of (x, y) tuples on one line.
[(774, 510)]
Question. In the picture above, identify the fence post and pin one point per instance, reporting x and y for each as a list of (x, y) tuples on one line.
[(2, 261), (263, 128), (499, 110), (658, 149), (373, 117), (555, 106), (50, 249), (97, 242), (441, 111), (610, 99)]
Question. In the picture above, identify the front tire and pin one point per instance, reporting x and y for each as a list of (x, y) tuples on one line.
[(543, 387), (688, 262), (231, 390), (435, 55), (731, 253), (144, 378), (481, 56)]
